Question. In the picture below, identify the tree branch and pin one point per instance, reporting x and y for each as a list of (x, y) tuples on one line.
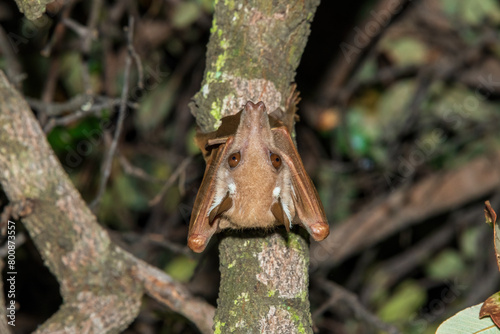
[(253, 52), (101, 284)]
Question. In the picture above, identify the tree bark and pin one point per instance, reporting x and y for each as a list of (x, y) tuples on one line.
[(253, 53), (264, 283), (33, 9), (101, 284)]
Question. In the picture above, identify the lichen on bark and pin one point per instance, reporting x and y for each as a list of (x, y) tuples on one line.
[(264, 283), (253, 52), (101, 284), (32, 9)]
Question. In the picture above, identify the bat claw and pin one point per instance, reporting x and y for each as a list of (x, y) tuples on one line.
[(319, 231), (197, 243)]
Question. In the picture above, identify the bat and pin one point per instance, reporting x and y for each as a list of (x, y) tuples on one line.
[(254, 178)]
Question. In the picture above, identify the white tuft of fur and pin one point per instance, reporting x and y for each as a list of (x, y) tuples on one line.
[(218, 199), (221, 193), (286, 210), (232, 188), (276, 192), (293, 191)]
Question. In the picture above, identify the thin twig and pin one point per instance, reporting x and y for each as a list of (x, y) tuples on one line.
[(342, 68), (92, 24), (136, 171), (87, 43), (58, 108), (402, 264), (59, 30), (165, 290), (182, 182), (80, 29), (140, 71), (171, 181), (49, 88), (383, 76), (106, 169), (13, 68), (75, 103), (84, 111), (135, 243), (160, 240)]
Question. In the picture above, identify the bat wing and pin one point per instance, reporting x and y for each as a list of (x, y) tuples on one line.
[(201, 225), (305, 197)]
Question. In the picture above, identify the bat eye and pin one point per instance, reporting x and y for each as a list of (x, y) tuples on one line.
[(275, 160), (234, 159)]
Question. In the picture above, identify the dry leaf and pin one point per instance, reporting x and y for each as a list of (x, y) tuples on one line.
[(489, 213)]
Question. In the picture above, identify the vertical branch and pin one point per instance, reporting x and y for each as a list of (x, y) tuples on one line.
[(253, 52), (106, 167)]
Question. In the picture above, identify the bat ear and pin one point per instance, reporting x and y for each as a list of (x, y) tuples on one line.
[(308, 206), (201, 228)]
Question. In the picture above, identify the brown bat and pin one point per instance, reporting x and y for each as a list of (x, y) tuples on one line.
[(254, 178)]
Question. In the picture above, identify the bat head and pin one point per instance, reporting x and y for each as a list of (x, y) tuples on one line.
[(252, 179)]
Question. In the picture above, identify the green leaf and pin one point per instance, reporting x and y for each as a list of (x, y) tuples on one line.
[(408, 299), (207, 5), (128, 192), (445, 265), (71, 73), (468, 322), (406, 51), (191, 146), (181, 268), (156, 106), (392, 106), (185, 14), (469, 242), (458, 106), (472, 12), (367, 71), (60, 139), (361, 133)]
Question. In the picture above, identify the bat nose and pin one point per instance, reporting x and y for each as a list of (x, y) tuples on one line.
[(254, 116), (259, 106)]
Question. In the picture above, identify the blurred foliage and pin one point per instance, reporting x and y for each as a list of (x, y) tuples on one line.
[(415, 105), (407, 299), (481, 320)]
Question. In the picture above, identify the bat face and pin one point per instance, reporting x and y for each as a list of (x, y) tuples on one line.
[(253, 175), (254, 178)]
